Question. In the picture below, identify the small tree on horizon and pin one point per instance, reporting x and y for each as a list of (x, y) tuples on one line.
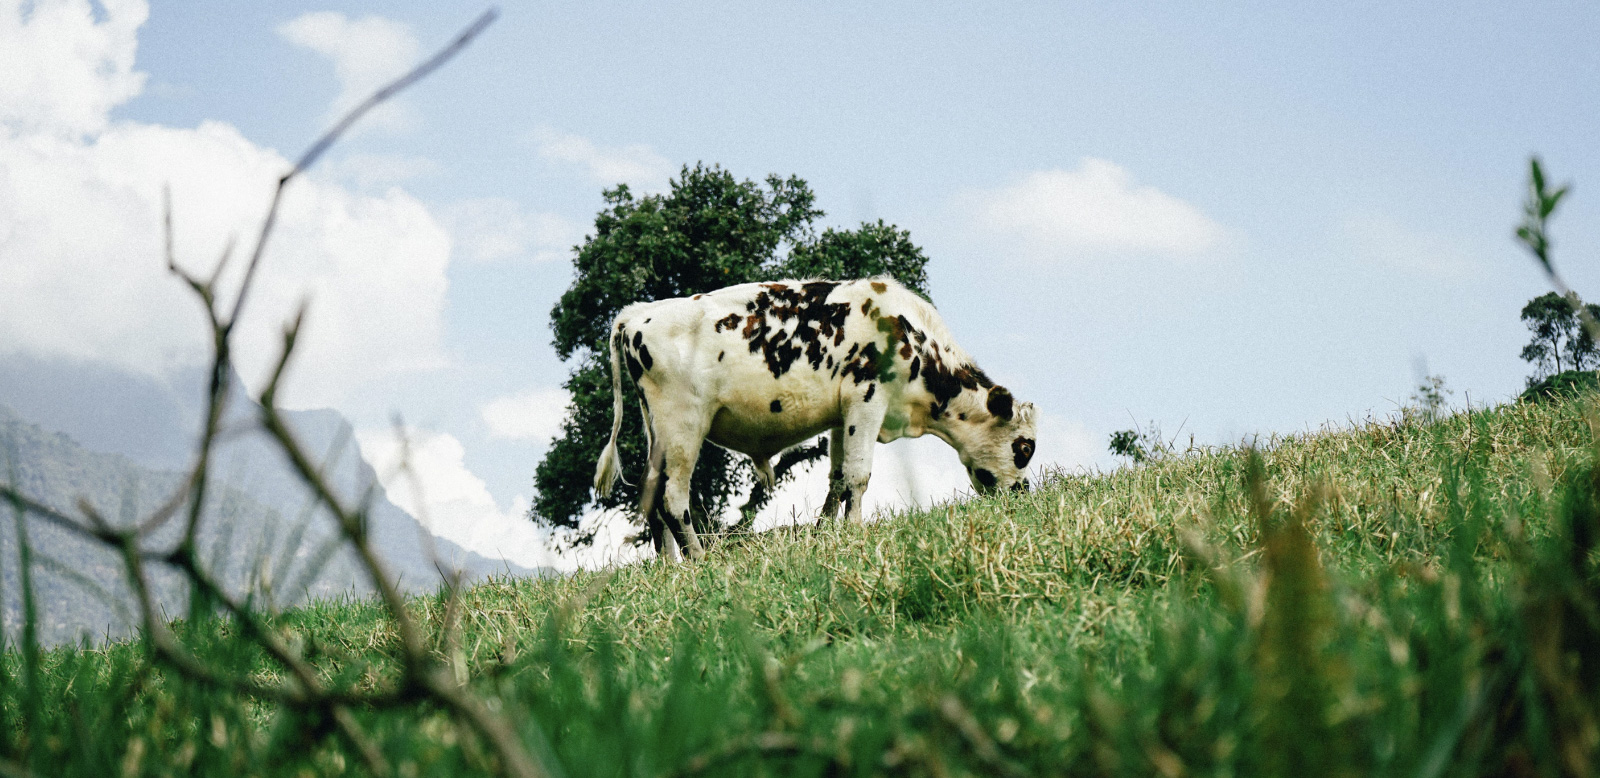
[(708, 231), (1560, 342)]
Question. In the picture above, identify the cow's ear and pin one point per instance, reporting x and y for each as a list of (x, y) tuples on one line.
[(1000, 403)]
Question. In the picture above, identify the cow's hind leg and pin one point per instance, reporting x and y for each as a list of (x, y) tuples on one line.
[(680, 445), (680, 470), (652, 505)]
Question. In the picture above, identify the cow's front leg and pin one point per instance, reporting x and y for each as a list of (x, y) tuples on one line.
[(830, 507), (861, 425)]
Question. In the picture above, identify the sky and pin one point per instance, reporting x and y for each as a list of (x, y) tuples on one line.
[(1225, 220)]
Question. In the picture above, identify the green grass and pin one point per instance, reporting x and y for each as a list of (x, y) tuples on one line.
[(1404, 598)]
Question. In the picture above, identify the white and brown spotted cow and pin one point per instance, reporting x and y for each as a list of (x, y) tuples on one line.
[(757, 368)]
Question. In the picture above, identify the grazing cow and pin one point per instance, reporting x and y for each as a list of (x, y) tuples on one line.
[(757, 368)]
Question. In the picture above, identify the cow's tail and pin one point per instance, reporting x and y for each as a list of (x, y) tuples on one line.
[(609, 468)]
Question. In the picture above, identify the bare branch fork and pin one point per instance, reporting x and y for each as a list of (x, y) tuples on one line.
[(422, 676)]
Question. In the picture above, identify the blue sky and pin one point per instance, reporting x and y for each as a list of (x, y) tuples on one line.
[(1245, 219)]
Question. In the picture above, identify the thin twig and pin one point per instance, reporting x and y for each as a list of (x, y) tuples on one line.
[(328, 138), (763, 743)]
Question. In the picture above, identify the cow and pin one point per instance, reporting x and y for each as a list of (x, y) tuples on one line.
[(759, 367)]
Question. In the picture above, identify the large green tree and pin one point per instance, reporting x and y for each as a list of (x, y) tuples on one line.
[(708, 231)]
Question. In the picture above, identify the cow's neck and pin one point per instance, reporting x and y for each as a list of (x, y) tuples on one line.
[(955, 425)]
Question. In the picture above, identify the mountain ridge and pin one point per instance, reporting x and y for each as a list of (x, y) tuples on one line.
[(144, 431)]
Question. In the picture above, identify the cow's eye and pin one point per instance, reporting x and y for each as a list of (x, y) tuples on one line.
[(1021, 451)]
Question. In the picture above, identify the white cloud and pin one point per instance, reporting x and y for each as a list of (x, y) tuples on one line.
[(493, 228), (636, 165), (456, 504), (60, 70), (453, 502), (81, 239), (366, 54), (1096, 208), (532, 416), (1383, 241)]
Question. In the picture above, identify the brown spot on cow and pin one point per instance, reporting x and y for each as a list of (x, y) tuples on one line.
[(879, 287), (865, 365), (1000, 403), (814, 320), (944, 384), (731, 321), (777, 406)]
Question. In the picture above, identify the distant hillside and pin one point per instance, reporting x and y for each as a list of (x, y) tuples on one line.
[(143, 432), (81, 584)]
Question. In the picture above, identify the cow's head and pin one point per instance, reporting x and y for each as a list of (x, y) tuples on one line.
[(996, 442)]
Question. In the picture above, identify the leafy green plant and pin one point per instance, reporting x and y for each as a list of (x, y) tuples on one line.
[(1140, 445), (1430, 398)]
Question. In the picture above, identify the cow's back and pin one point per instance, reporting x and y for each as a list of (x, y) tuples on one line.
[(771, 359)]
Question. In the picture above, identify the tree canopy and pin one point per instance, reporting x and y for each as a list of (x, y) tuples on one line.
[(1560, 342), (708, 231)]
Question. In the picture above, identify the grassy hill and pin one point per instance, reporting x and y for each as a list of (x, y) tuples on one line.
[(1403, 598)]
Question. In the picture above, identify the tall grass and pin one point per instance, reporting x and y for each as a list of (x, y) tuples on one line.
[(1401, 598)]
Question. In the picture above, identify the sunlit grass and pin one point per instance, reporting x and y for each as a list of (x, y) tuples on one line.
[(1394, 598)]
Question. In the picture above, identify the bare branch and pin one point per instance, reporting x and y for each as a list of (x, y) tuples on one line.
[(421, 676), (351, 729), (331, 136)]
